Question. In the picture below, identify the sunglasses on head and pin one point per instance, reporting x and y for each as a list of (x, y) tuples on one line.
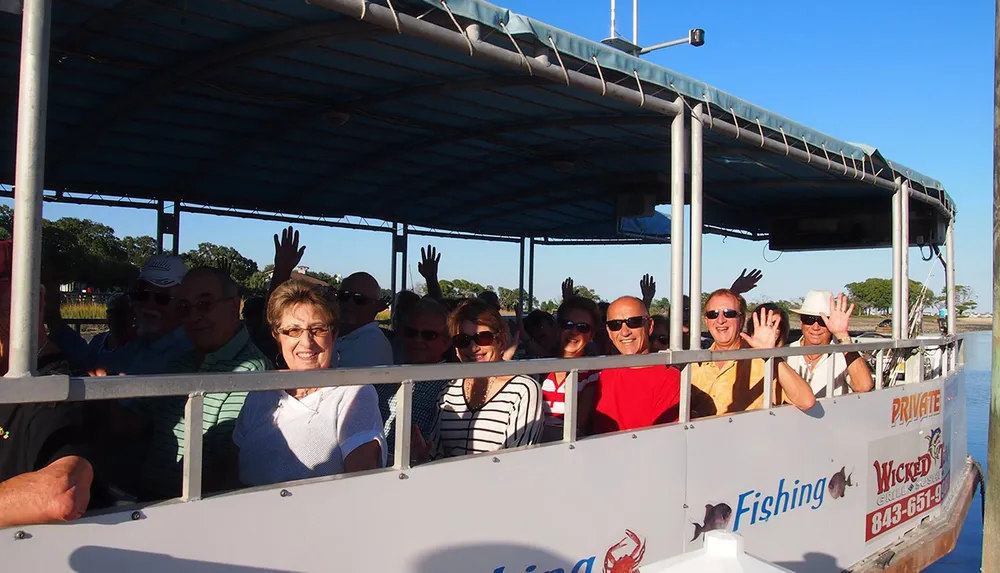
[(581, 327), (728, 313), (427, 335), (358, 298), (809, 319), (631, 322), (297, 332), (142, 295), (484, 338)]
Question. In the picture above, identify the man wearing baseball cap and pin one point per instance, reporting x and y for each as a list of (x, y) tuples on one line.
[(824, 318), (159, 335)]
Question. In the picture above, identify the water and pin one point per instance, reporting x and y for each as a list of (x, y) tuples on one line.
[(968, 553)]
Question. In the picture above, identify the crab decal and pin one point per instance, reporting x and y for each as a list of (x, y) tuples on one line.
[(626, 563)]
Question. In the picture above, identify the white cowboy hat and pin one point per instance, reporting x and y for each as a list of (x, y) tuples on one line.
[(816, 303)]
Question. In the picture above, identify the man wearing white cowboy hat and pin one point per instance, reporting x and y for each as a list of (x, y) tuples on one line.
[(825, 318)]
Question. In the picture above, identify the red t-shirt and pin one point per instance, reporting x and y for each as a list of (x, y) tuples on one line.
[(632, 398)]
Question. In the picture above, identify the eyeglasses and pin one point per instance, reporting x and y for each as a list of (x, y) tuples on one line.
[(427, 335), (662, 339), (581, 327), (631, 322), (296, 331), (142, 295), (202, 306), (728, 313), (358, 298), (809, 320), (484, 338)]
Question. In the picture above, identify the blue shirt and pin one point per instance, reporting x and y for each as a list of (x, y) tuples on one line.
[(147, 357)]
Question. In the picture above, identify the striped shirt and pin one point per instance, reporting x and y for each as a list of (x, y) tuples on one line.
[(161, 470), (512, 418), (554, 395)]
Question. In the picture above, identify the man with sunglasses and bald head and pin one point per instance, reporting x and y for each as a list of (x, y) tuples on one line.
[(361, 342), (632, 398)]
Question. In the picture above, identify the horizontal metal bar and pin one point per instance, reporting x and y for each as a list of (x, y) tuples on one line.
[(380, 15), (303, 220), (464, 236), (47, 389)]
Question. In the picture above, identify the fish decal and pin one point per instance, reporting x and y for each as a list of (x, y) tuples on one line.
[(716, 517), (839, 483), (934, 445)]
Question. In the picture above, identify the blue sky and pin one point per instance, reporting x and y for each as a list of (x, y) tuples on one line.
[(913, 78)]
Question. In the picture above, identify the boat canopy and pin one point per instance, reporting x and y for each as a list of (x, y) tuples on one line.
[(460, 116)]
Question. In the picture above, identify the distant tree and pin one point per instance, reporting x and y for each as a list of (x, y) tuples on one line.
[(965, 299), (660, 306), (228, 258), (875, 294), (587, 293), (549, 306), (460, 288), (329, 279), (509, 299), (139, 249)]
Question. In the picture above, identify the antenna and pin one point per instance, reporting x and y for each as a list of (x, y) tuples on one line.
[(695, 37)]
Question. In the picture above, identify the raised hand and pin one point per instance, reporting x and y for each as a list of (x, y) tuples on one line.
[(567, 289), (383, 304), (287, 253), (766, 328), (648, 288), (746, 282), (511, 350), (839, 320), (428, 265)]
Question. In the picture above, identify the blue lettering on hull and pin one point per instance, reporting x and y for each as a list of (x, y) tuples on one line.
[(754, 506)]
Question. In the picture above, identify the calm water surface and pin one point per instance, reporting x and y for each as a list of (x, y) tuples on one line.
[(967, 555)]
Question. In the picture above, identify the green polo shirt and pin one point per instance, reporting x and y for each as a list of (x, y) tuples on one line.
[(162, 467)]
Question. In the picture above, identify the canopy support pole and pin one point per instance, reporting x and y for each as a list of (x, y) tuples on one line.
[(520, 283), (403, 248), (949, 279), (28, 186), (677, 232), (991, 521), (904, 260), (896, 259), (697, 188), (392, 271), (531, 273)]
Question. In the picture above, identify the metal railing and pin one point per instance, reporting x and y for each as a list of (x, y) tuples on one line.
[(196, 386)]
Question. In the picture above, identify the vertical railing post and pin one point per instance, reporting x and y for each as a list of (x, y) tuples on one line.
[(684, 415), (193, 450), (677, 230), (571, 408), (404, 422), (768, 383), (896, 258), (697, 190), (176, 242), (904, 260), (830, 379), (32, 102), (159, 226)]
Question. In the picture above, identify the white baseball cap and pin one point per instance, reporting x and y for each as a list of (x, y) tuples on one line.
[(163, 270)]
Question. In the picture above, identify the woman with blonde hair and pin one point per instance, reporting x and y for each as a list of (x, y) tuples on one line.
[(477, 415), (285, 435)]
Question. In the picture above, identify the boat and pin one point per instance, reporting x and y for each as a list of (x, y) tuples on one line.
[(409, 113)]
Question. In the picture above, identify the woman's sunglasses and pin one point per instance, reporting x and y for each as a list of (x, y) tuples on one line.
[(160, 298), (728, 313), (484, 338), (581, 327), (427, 335), (631, 322)]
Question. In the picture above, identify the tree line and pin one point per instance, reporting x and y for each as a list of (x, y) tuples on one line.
[(85, 251)]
